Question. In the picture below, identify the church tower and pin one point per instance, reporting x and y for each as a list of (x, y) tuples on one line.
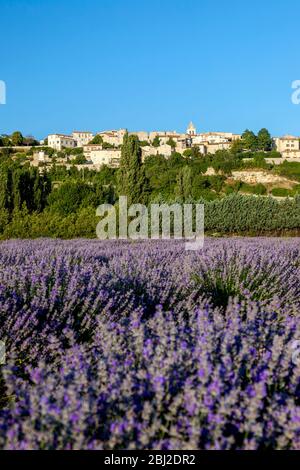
[(191, 130)]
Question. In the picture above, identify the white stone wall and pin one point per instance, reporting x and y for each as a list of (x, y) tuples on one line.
[(287, 144), (106, 157), (165, 150), (254, 177), (58, 141), (87, 149), (210, 138), (285, 158), (82, 138), (213, 148), (113, 137)]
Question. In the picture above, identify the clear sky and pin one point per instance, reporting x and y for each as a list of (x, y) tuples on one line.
[(149, 65)]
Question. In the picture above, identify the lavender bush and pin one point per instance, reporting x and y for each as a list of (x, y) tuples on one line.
[(146, 346)]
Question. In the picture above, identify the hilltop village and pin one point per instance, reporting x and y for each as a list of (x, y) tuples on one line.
[(88, 150), (104, 147)]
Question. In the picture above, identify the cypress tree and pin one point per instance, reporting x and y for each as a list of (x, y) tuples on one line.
[(184, 183), (132, 181)]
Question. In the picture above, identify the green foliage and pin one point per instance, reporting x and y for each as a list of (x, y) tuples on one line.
[(62, 202), (106, 176), (237, 213), (132, 180), (259, 161), (75, 151), (48, 224), (296, 190), (216, 182), (273, 154), (30, 141), (232, 214), (255, 160), (224, 161), (281, 192), (4, 219), (49, 151), (156, 141), (258, 189), (5, 153), (249, 140), (107, 145), (97, 140), (237, 146), (5, 141), (73, 195), (21, 186), (184, 183), (80, 159), (171, 142), (17, 138), (264, 140), (192, 153), (289, 170)]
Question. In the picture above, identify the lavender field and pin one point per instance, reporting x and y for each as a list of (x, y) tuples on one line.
[(114, 345)]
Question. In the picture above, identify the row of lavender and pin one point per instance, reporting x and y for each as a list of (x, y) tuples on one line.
[(143, 345)]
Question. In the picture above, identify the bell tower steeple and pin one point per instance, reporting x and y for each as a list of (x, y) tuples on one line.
[(191, 130)]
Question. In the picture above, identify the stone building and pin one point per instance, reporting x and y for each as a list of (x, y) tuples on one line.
[(60, 141), (164, 136), (88, 149), (113, 137), (165, 150), (211, 142), (287, 144), (191, 130), (99, 156), (82, 137)]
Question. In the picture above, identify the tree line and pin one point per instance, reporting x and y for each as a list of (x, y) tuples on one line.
[(16, 139)]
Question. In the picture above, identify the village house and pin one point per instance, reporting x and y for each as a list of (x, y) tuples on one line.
[(211, 142), (288, 146), (99, 156), (165, 150), (60, 141), (88, 149), (82, 137), (164, 136), (113, 137)]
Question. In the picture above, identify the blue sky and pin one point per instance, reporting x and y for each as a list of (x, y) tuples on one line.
[(149, 65)]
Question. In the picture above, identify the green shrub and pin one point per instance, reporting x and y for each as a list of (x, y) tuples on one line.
[(296, 189), (258, 189), (281, 192), (289, 170)]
